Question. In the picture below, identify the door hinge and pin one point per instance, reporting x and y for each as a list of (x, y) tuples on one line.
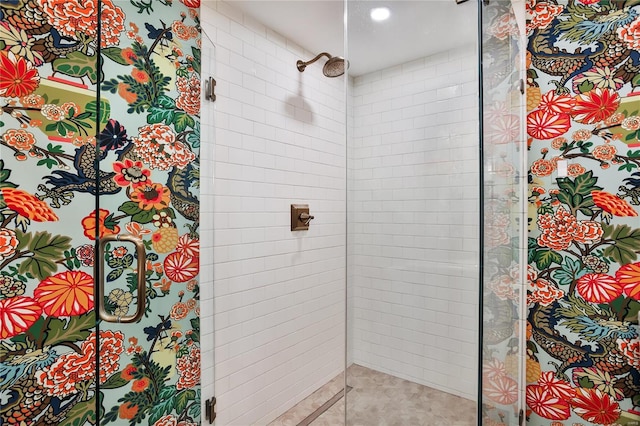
[(210, 409), (521, 417), (210, 89)]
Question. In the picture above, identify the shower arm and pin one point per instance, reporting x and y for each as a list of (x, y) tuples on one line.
[(302, 65)]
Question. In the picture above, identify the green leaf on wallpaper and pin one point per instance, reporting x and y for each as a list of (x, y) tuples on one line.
[(182, 120), (633, 154), (585, 86), (163, 405), (635, 81), (76, 329), (159, 115), (632, 136), (54, 149), (194, 410), (195, 62), (81, 413), (129, 208), (143, 216), (114, 382), (114, 275), (165, 102), (624, 243), (182, 399), (628, 167), (584, 382), (46, 249), (576, 193), (544, 258), (193, 138), (571, 269), (115, 54), (49, 162), (77, 64)]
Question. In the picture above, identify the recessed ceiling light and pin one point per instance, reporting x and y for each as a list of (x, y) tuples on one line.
[(380, 13)]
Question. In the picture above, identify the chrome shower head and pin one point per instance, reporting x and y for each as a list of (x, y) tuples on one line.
[(334, 67)]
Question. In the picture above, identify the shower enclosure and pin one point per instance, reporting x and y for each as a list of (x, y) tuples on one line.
[(380, 303)]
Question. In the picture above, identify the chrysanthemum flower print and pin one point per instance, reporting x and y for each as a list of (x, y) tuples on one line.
[(17, 314), (545, 124), (595, 106), (18, 77), (598, 288), (595, 406), (629, 278), (546, 404), (65, 294)]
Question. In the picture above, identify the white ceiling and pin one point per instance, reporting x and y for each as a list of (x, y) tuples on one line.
[(416, 28)]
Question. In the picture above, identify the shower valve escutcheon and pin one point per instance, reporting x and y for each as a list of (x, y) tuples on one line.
[(300, 217)]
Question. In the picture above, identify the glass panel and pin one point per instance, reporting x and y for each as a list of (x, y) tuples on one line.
[(504, 256), (413, 213), (149, 192), (47, 123)]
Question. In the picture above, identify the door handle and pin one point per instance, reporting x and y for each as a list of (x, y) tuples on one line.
[(142, 282)]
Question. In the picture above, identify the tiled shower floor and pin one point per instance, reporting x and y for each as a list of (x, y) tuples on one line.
[(379, 399)]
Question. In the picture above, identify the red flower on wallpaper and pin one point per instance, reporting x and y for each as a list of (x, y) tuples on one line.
[(8, 243), (129, 172), (558, 387), (547, 405), (542, 291), (188, 367), (104, 226), (501, 389), (189, 94), (19, 139), (71, 17), (151, 196), (542, 167), (189, 246), (191, 3), (66, 294), (631, 350), (596, 407), (17, 314), (612, 204), (598, 288), (555, 103), (596, 105), (630, 34), (71, 369), (18, 77), (629, 278), (542, 14), (28, 205), (180, 268), (543, 124), (559, 230)]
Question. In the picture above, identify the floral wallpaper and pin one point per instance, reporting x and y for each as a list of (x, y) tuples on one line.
[(113, 84), (583, 278)]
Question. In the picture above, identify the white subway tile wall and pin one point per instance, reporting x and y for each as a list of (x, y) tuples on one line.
[(274, 320), (413, 221), (277, 305)]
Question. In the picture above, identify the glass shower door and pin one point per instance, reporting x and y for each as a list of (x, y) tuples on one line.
[(98, 175), (147, 213), (503, 220)]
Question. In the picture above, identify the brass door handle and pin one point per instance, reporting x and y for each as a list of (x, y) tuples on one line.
[(142, 282)]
